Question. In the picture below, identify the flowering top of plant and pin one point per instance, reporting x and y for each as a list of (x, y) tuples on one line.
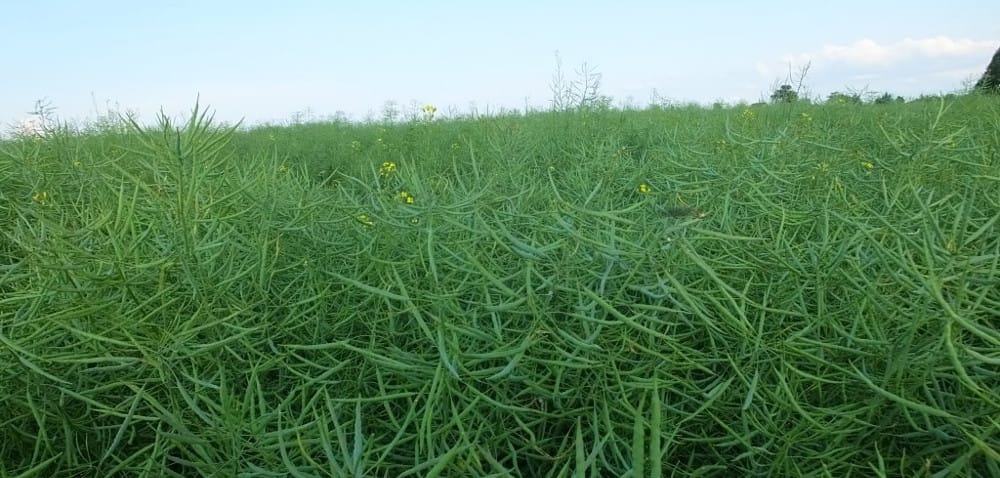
[(41, 197), (429, 111), (387, 169)]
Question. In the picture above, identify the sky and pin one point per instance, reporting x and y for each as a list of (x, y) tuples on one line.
[(270, 62)]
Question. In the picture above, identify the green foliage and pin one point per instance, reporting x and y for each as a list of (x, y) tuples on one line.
[(839, 98), (580, 93), (784, 94), (990, 81), (887, 98), (749, 291)]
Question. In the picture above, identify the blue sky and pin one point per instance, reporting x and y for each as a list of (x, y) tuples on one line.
[(263, 61)]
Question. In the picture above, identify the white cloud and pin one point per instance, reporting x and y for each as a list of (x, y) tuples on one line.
[(30, 126), (867, 52), (908, 66), (763, 69), (960, 74)]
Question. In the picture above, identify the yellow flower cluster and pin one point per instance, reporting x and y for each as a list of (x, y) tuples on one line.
[(429, 112), (387, 169), (644, 188), (41, 197), (406, 197)]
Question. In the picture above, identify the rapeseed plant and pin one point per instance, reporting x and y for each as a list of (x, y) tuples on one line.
[(951, 246), (41, 197), (387, 168), (505, 281), (429, 112), (622, 153)]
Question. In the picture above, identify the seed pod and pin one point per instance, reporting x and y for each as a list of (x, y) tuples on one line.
[(684, 211)]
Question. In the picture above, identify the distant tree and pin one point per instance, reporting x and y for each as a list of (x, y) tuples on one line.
[(885, 99), (990, 82), (839, 98), (784, 94)]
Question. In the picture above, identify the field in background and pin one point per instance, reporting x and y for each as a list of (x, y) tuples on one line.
[(780, 290)]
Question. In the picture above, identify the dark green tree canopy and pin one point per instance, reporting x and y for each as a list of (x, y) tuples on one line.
[(990, 82), (784, 94)]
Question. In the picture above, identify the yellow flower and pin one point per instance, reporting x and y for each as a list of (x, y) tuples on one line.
[(747, 114), (387, 169), (40, 197), (644, 188), (364, 219), (77, 163), (429, 112), (283, 168), (406, 197), (356, 145), (867, 165)]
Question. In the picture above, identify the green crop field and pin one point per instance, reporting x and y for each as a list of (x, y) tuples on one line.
[(772, 290)]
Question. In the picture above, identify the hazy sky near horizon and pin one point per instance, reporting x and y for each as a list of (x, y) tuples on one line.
[(264, 61)]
